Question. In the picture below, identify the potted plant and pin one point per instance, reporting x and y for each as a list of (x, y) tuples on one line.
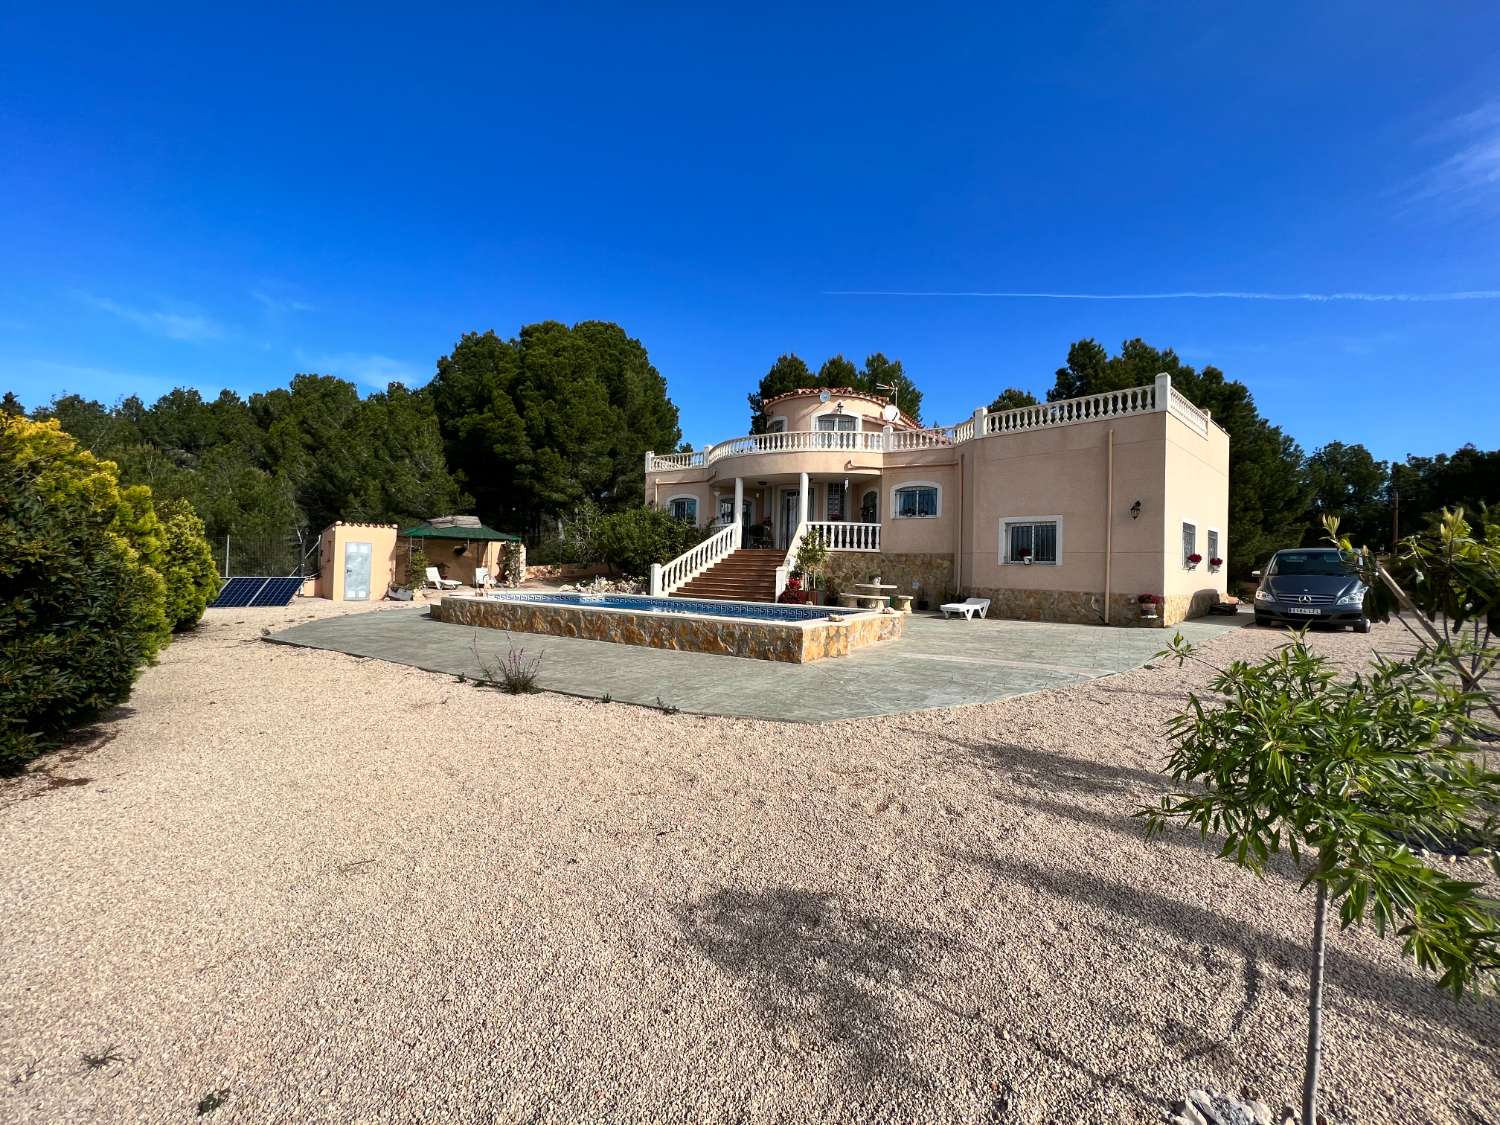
[(1214, 564), (812, 555), (1193, 560), (1150, 606), (1025, 553), (793, 594)]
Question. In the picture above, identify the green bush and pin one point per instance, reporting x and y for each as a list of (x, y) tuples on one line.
[(191, 576), (82, 608), (633, 539)]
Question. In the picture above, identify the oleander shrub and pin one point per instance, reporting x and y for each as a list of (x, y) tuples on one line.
[(82, 602), (191, 576)]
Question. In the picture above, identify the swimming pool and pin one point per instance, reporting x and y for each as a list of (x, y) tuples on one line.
[(744, 611), (795, 634)]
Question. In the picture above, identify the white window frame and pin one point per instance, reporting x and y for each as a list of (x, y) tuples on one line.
[(1006, 521), (776, 425), (837, 416), (697, 505), (1182, 536), (895, 507), (1211, 535)]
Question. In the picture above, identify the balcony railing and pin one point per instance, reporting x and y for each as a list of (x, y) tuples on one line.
[(839, 536), (1066, 412)]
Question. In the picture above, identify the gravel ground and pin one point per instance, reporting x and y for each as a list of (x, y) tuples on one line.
[(290, 885)]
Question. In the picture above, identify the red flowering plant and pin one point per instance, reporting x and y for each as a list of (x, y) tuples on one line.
[(1194, 559), (1151, 599), (1216, 563)]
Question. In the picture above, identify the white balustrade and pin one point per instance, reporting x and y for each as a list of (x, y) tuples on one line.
[(1066, 412), (840, 536), (666, 577), (798, 441), (661, 462), (1183, 410)]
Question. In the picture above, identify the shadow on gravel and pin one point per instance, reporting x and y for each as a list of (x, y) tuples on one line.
[(1472, 1025), (821, 977), (1043, 768)]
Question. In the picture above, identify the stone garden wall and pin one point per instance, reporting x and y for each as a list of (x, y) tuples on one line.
[(925, 577)]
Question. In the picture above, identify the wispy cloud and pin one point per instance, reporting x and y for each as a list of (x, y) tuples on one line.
[(174, 324), (1187, 295), (277, 305), (369, 368), (1469, 174)]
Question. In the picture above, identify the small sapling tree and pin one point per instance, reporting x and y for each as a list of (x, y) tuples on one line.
[(1346, 776)]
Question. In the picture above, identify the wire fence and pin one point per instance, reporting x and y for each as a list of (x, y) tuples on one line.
[(268, 556)]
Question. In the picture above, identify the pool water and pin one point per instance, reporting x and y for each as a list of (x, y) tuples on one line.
[(688, 607)]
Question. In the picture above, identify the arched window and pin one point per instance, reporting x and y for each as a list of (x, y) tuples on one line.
[(776, 425), (869, 506), (918, 499), (684, 508)]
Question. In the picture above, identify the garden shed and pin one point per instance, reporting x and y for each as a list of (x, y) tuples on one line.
[(456, 545), (355, 561)]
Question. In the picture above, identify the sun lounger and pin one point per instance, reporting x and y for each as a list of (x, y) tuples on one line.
[(968, 607), (435, 579)]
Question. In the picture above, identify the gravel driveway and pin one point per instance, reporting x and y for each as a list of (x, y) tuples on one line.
[(295, 886)]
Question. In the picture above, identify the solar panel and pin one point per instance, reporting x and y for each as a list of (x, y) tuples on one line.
[(258, 592)]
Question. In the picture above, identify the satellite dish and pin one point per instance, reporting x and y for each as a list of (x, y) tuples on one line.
[(889, 412), (824, 396)]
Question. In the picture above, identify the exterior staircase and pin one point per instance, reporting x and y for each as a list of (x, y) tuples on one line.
[(746, 575)]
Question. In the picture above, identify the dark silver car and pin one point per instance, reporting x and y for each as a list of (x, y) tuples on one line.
[(1313, 584)]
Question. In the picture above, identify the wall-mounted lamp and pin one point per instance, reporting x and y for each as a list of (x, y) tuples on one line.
[(1135, 510)]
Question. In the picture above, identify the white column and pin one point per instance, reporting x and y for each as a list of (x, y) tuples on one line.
[(801, 504), (1163, 390), (739, 511)]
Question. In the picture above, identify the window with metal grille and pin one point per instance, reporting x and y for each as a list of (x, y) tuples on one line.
[(1189, 542), (916, 500), (1034, 540)]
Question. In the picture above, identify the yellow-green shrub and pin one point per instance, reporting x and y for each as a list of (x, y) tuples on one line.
[(82, 598)]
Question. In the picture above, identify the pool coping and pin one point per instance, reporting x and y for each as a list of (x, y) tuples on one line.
[(835, 634)]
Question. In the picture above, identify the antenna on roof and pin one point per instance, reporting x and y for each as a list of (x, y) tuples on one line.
[(895, 393)]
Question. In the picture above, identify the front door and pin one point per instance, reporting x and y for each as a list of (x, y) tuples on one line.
[(788, 526), (356, 572)]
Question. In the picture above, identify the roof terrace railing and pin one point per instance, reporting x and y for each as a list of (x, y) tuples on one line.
[(1159, 396)]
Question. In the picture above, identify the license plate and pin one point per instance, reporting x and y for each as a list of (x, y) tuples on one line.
[(1299, 609)]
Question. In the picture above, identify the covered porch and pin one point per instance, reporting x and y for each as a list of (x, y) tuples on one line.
[(844, 508)]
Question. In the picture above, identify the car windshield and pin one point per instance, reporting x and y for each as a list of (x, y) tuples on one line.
[(1330, 563)]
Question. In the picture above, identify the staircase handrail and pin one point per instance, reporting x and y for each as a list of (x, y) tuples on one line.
[(789, 563), (666, 577)]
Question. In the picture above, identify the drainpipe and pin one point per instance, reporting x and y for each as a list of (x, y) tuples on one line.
[(1109, 519)]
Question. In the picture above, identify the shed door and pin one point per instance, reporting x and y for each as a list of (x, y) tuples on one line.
[(356, 572)]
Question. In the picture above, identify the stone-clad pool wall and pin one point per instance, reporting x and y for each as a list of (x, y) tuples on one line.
[(790, 642)]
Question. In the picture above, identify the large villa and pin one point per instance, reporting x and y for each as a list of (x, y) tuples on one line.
[(1064, 511)]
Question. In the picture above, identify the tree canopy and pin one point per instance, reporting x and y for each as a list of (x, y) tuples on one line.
[(301, 456), (536, 424), (1012, 398), (879, 376)]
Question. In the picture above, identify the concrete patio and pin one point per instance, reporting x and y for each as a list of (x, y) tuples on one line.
[(936, 664)]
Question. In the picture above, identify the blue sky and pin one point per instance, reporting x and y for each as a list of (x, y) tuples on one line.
[(214, 197)]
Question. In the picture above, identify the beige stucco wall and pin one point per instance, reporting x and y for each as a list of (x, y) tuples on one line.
[(444, 554), (382, 540), (926, 535), (801, 413), (1197, 492), (1062, 472)]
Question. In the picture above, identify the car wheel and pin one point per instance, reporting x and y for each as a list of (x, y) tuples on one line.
[(1262, 621), (1362, 625)]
